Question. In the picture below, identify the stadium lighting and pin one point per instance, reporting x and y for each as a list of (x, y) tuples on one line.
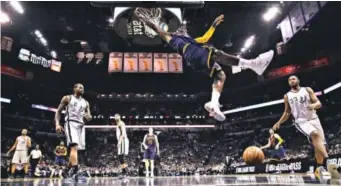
[(243, 49), (17, 6), (332, 88), (184, 22), (249, 42), (111, 20), (38, 34), (271, 13), (5, 100), (4, 17), (43, 41), (53, 54)]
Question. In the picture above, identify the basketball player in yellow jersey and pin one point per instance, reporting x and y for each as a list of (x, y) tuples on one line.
[(151, 146), (21, 145), (60, 159), (204, 57), (122, 145)]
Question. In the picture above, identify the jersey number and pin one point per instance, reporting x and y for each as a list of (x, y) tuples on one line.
[(302, 100)]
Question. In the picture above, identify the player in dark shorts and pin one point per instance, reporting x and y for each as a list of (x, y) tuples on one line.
[(61, 153), (151, 146), (202, 56), (60, 159), (276, 142)]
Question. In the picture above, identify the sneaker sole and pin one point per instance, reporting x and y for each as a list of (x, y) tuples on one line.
[(267, 64)]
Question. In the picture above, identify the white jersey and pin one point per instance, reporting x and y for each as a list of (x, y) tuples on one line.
[(75, 110), (299, 102), (22, 143), (121, 131)]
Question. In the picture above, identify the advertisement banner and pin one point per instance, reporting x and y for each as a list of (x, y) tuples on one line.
[(285, 166), (87, 58), (13, 72), (291, 69), (297, 18), (27, 56), (115, 62), (310, 8), (145, 62), (6, 43), (160, 62), (286, 29), (175, 63), (130, 62)]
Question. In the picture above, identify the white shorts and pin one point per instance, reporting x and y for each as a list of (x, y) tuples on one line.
[(123, 148), (307, 127), (75, 134), (20, 157)]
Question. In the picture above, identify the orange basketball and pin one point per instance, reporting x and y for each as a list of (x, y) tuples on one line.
[(253, 155)]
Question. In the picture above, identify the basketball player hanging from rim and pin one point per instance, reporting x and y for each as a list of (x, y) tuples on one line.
[(122, 145), (77, 113), (151, 147), (202, 56), (302, 103)]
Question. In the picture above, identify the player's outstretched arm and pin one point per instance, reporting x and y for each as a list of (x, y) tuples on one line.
[(209, 33), (267, 145), (286, 113)]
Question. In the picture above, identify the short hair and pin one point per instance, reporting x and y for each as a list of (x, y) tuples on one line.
[(76, 85), (294, 76)]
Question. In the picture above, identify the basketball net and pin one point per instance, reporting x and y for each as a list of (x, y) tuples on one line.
[(153, 14)]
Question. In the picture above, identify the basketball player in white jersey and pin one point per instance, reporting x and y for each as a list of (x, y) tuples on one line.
[(21, 145), (77, 113), (151, 146), (123, 143), (301, 103)]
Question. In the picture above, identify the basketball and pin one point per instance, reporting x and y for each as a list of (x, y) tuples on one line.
[(253, 155)]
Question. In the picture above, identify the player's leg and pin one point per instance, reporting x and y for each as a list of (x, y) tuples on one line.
[(146, 159), (146, 164), (151, 158), (73, 138), (318, 142), (13, 167), (15, 162), (320, 153), (217, 87), (258, 64)]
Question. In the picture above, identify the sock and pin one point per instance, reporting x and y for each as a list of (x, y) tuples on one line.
[(325, 162), (215, 97), (244, 63), (124, 170), (74, 169)]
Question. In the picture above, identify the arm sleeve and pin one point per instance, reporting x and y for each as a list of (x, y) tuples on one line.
[(280, 140), (207, 36)]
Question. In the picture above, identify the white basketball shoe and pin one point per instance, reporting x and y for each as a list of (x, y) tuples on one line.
[(260, 63), (214, 111)]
